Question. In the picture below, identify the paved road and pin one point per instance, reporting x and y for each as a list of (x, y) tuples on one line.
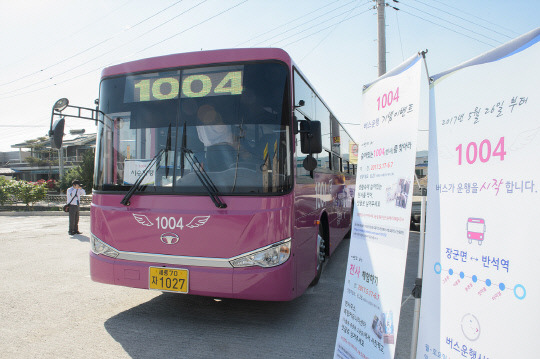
[(49, 307)]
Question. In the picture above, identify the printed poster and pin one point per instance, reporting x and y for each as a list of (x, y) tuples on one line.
[(371, 304), (480, 292), (134, 168)]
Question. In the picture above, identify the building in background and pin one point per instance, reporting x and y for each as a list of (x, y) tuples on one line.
[(38, 160), (11, 158)]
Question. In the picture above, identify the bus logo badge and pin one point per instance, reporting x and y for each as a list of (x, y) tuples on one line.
[(170, 238)]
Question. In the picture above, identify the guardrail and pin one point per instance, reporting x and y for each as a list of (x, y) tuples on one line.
[(52, 200), (62, 198)]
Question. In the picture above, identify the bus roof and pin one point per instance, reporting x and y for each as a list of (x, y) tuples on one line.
[(197, 58), (210, 57)]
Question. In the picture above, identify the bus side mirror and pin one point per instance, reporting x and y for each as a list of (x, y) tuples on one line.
[(310, 137), (57, 133)]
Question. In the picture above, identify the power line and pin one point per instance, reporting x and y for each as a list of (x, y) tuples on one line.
[(318, 24), (157, 43), (307, 22), (93, 23), (330, 32), (94, 58), (461, 18), (479, 18), (25, 126), (287, 23), (314, 33), (160, 25), (192, 27), (107, 52), (49, 86), (447, 28), (399, 33), (440, 18), (91, 47)]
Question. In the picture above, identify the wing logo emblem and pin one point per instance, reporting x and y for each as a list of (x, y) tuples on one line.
[(198, 221), (142, 219)]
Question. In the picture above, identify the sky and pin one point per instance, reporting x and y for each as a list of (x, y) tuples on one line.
[(55, 49)]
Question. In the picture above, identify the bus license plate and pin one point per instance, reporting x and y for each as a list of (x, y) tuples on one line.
[(169, 279)]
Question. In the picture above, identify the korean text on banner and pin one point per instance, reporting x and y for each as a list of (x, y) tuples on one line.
[(480, 285), (379, 237), (134, 168)]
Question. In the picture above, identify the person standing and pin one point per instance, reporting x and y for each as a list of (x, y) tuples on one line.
[(73, 198)]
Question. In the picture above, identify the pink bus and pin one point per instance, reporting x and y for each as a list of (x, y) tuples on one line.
[(476, 229), (218, 173)]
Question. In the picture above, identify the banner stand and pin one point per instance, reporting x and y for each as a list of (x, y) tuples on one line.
[(417, 291), (391, 110), (481, 289)]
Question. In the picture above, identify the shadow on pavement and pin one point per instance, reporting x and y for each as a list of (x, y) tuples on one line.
[(178, 326), (81, 238)]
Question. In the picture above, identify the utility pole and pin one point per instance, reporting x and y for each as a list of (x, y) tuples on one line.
[(381, 36), (61, 163)]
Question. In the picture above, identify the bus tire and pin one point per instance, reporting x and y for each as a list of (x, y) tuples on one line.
[(321, 254)]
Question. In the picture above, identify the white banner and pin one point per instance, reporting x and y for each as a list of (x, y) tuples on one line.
[(376, 265), (480, 292)]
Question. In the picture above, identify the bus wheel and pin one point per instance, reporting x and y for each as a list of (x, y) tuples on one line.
[(321, 255)]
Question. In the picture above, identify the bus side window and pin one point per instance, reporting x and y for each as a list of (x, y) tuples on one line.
[(324, 160)]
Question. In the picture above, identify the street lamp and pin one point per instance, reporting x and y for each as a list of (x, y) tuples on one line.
[(61, 105), (56, 131)]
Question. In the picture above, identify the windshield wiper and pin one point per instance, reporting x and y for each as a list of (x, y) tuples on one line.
[(157, 158), (203, 177)]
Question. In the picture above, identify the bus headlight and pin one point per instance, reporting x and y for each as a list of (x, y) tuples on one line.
[(269, 256), (98, 247)]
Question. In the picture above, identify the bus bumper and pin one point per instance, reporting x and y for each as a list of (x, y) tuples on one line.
[(251, 283)]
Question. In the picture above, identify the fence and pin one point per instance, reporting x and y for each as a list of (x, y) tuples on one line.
[(51, 200)]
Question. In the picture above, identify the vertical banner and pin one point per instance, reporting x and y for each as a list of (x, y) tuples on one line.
[(380, 231), (480, 292)]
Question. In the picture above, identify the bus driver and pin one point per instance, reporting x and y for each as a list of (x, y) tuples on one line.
[(217, 138)]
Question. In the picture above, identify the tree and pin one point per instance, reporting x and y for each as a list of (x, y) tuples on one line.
[(30, 192), (42, 154), (5, 190), (87, 171), (83, 172)]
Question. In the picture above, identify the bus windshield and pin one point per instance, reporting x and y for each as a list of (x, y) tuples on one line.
[(475, 227), (234, 120)]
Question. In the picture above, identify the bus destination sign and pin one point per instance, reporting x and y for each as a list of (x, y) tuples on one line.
[(169, 85)]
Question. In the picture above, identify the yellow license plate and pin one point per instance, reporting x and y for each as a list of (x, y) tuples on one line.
[(169, 279)]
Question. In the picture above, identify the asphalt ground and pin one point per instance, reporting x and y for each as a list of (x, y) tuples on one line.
[(50, 308)]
